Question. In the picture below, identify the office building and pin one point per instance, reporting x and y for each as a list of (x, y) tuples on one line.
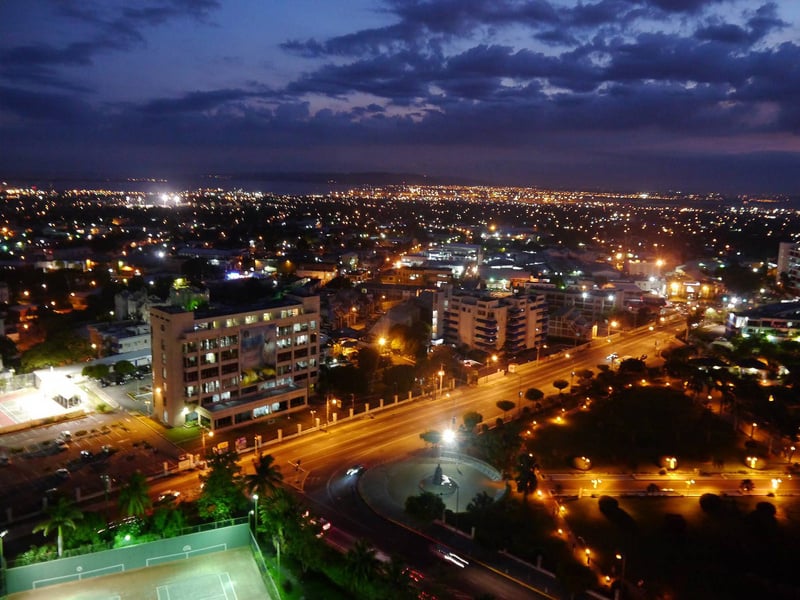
[(225, 367)]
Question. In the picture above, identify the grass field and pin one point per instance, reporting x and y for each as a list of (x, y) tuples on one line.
[(681, 551)]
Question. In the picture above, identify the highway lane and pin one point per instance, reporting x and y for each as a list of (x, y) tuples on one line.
[(395, 432)]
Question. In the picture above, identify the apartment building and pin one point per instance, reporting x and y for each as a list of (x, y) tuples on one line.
[(495, 323), (225, 367), (789, 264)]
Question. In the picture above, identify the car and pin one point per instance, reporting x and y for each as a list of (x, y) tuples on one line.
[(167, 497), (321, 524), (65, 436), (355, 470), (449, 556), (87, 455), (63, 473), (413, 574)]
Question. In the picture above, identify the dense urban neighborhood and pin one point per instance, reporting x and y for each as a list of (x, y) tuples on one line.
[(403, 391)]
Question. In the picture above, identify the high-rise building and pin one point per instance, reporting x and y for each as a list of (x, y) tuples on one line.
[(495, 323), (788, 265), (224, 367)]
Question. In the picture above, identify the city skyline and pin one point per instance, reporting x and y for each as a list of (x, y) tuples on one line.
[(625, 94)]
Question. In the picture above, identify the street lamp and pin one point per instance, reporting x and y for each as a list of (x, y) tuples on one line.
[(620, 557), (588, 556), (106, 488), (210, 434), (753, 430), (313, 412), (441, 379), (382, 343), (2, 556), (328, 402), (255, 512), (791, 452), (538, 350)]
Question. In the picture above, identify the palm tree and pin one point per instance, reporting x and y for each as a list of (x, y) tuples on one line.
[(266, 478), (526, 479), (60, 515), (134, 496), (278, 512), (361, 562)]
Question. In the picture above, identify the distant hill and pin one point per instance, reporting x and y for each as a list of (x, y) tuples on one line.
[(360, 178)]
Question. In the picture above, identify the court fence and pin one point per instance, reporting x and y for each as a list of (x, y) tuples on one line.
[(119, 560)]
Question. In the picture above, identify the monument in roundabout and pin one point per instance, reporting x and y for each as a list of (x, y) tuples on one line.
[(455, 478)]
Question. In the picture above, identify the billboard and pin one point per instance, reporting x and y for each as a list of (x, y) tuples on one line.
[(257, 355)]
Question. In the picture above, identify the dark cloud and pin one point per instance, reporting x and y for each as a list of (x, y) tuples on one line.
[(765, 20), (674, 58), (40, 106), (681, 6), (113, 27), (725, 33), (197, 101), (367, 42)]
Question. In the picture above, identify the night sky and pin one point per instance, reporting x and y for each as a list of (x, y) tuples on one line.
[(693, 95)]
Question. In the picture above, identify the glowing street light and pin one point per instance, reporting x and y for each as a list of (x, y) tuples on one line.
[(753, 430), (538, 350), (449, 436), (255, 512), (2, 556), (210, 434), (328, 403)]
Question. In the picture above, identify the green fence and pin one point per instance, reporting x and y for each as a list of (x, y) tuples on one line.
[(118, 560)]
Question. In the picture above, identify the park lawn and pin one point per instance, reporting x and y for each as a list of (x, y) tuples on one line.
[(633, 430), (681, 551)]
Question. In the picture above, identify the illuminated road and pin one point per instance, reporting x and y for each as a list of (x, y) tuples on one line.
[(394, 433)]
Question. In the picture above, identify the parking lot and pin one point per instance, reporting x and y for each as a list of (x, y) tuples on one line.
[(43, 461)]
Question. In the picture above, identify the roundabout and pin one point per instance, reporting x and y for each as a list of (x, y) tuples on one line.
[(455, 478)]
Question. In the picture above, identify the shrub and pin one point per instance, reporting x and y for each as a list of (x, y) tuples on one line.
[(711, 503)]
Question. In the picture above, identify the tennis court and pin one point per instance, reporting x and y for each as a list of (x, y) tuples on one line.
[(27, 405), (228, 575)]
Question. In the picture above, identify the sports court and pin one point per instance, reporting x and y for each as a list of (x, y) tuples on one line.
[(228, 575), (27, 405)]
